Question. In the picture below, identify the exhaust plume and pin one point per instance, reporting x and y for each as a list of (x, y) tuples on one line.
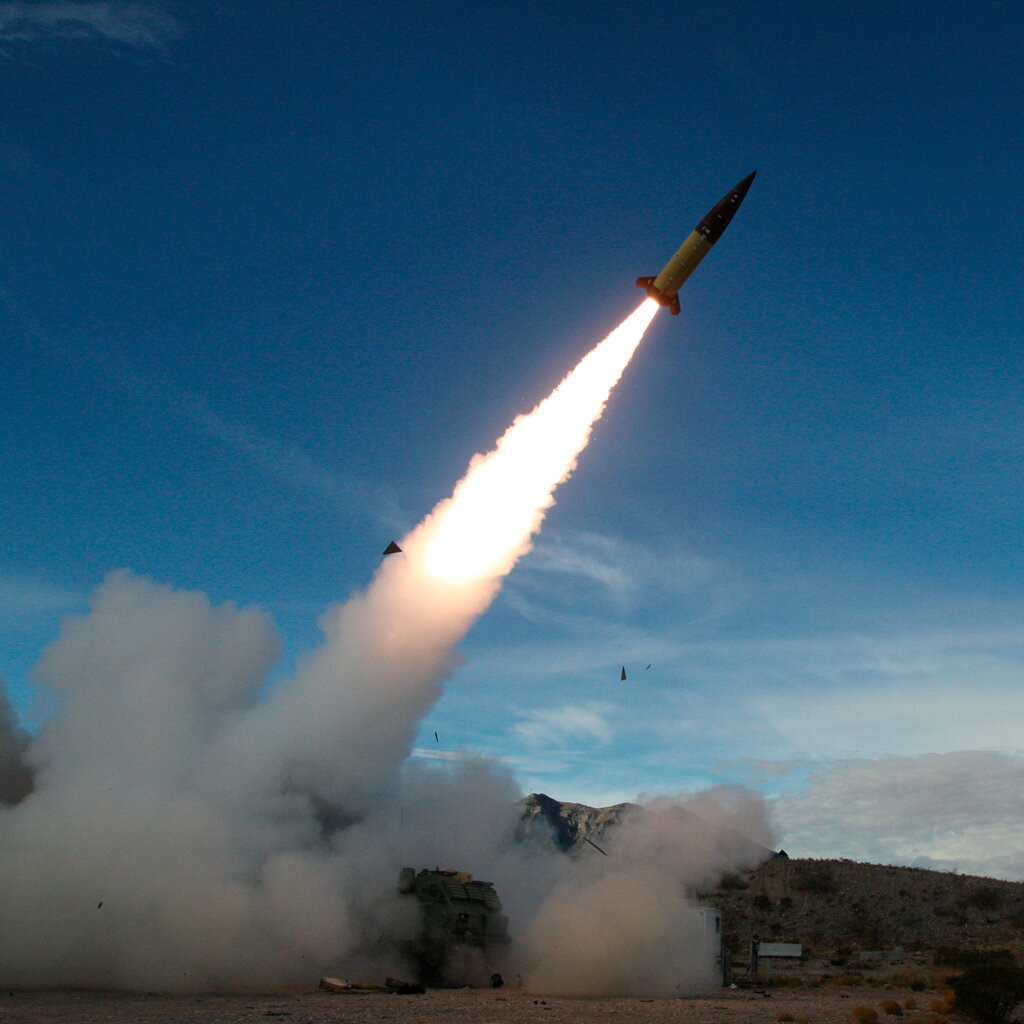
[(172, 829)]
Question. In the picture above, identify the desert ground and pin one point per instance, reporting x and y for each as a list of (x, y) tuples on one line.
[(803, 1005)]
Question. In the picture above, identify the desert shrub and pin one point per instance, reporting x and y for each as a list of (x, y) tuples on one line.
[(938, 1006), (732, 882), (785, 1017), (869, 932), (891, 1007), (910, 1004), (957, 956), (984, 897), (917, 985), (814, 878), (863, 1015), (786, 902), (761, 902), (988, 993), (846, 980)]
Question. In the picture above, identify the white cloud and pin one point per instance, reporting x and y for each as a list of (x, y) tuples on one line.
[(914, 693), (593, 558), (136, 24), (566, 724), (430, 754), (292, 465), (961, 811), (625, 573)]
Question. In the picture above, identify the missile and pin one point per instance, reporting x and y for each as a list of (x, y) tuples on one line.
[(664, 288)]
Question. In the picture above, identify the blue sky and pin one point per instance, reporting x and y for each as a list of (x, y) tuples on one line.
[(270, 277)]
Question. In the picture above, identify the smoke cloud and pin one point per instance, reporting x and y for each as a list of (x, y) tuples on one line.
[(627, 922), (175, 828), (15, 775)]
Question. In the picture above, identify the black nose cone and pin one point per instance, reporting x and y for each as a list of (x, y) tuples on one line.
[(715, 222)]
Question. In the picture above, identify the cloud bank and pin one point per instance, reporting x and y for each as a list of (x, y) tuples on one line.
[(140, 25), (961, 811)]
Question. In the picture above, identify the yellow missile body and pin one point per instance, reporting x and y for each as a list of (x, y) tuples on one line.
[(664, 288)]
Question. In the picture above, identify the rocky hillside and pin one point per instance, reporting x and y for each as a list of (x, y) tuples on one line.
[(837, 910), (567, 825)]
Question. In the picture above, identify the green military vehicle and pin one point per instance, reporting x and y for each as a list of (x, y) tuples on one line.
[(461, 929)]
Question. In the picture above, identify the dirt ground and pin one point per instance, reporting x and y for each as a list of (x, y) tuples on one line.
[(458, 1006)]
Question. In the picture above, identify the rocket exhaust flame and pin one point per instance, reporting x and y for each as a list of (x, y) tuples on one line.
[(485, 526)]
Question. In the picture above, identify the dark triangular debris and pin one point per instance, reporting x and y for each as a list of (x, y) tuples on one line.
[(623, 676), (392, 549)]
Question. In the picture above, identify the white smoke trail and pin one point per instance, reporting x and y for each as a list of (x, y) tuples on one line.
[(185, 834)]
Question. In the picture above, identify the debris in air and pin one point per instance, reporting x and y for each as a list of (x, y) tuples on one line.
[(623, 676), (594, 845), (392, 549)]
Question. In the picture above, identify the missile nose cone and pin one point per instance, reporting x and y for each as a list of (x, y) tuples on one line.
[(744, 186), (717, 220)]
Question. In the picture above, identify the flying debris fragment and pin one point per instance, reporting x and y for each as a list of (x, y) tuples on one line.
[(623, 676), (594, 845), (647, 667), (664, 288), (436, 740), (392, 549)]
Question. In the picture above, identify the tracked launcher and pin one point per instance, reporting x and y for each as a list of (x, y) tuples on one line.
[(461, 931)]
